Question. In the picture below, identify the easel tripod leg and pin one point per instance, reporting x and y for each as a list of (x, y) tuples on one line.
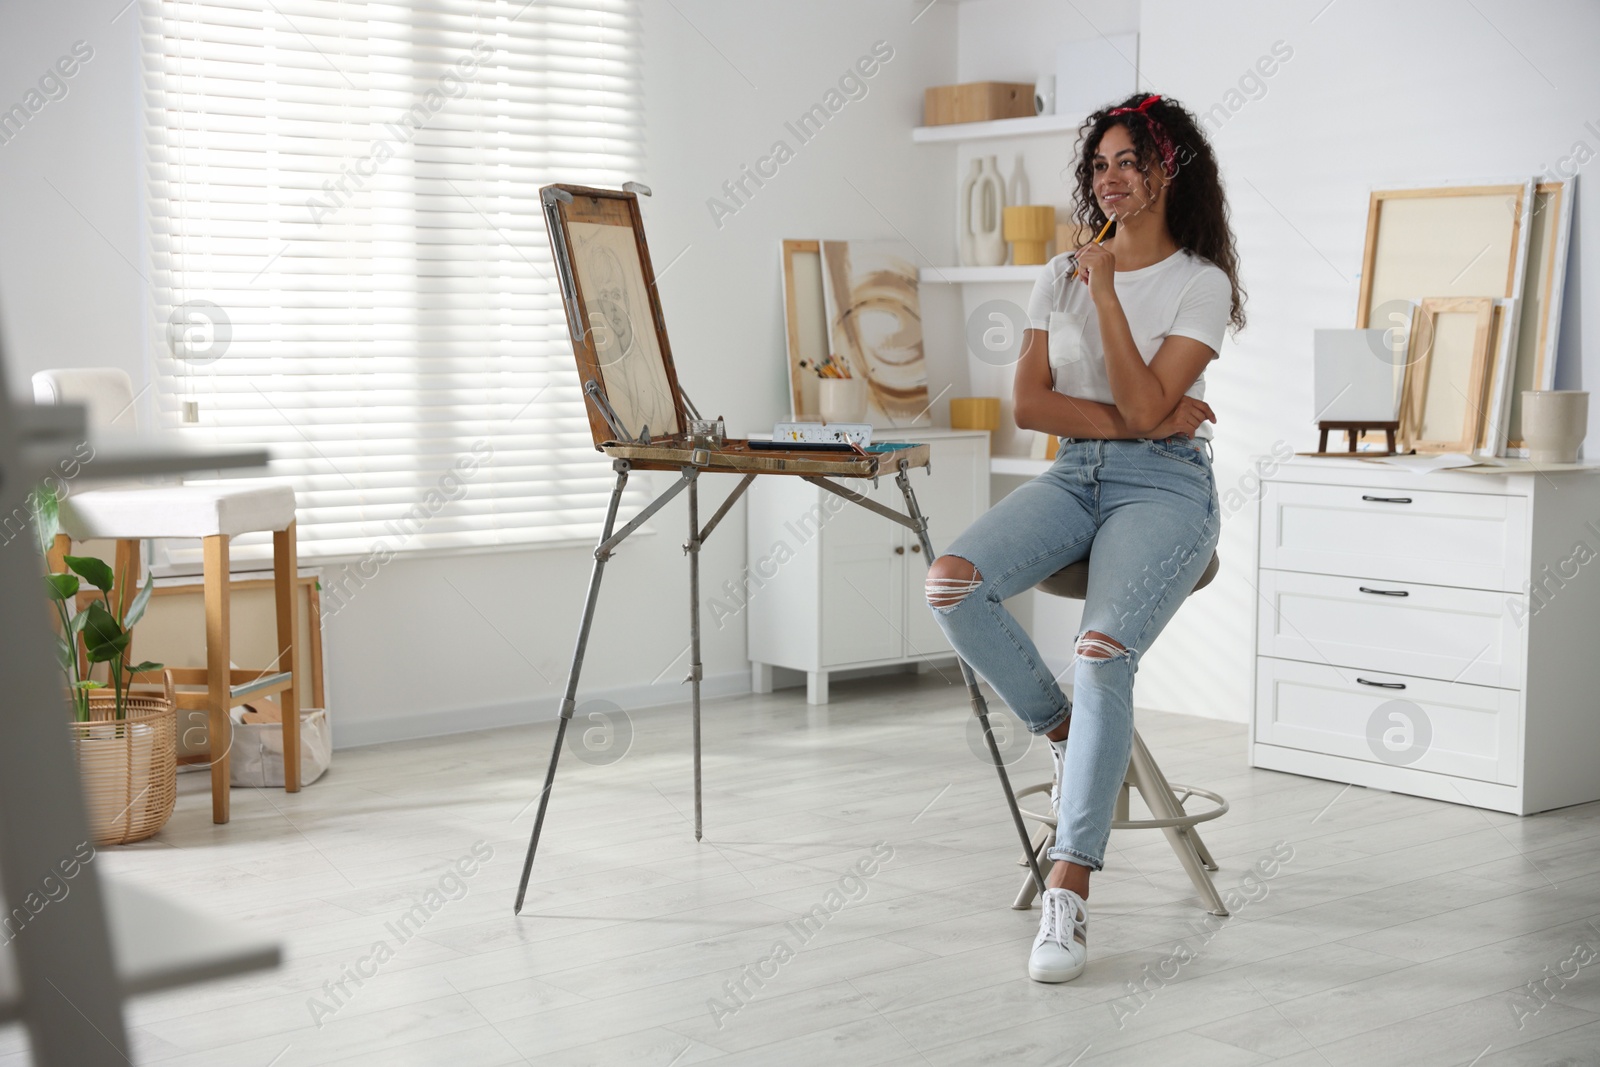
[(569, 699), (693, 549), (980, 707)]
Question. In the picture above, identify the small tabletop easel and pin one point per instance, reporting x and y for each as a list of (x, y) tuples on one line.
[(619, 339), (1354, 430)]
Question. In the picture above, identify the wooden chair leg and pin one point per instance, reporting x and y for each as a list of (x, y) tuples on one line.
[(218, 676), (60, 548), (125, 573), (284, 572)]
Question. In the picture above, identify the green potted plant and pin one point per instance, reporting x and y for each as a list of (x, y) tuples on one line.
[(125, 742)]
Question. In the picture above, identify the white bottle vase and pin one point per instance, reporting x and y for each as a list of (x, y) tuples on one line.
[(1017, 193), (988, 208), (964, 216)]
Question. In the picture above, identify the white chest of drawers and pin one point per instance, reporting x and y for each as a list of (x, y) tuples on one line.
[(1433, 634)]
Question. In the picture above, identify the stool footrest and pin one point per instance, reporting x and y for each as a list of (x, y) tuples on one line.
[(243, 684), (276, 682), (1186, 819)]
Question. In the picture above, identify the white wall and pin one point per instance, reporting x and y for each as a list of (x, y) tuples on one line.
[(452, 643), (72, 290)]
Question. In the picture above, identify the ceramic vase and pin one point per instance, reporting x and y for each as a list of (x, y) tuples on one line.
[(988, 203), (964, 215), (1017, 192)]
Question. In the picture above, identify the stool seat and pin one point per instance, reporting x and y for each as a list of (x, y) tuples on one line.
[(1072, 581), (177, 511)]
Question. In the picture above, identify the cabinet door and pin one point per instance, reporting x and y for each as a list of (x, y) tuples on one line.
[(863, 577), (952, 498)]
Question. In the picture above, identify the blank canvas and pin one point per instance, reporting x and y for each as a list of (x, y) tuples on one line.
[(1354, 375), (1445, 241)]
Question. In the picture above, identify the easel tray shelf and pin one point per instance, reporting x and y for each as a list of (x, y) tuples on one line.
[(735, 456)]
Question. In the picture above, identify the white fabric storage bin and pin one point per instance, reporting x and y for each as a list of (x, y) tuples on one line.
[(257, 755)]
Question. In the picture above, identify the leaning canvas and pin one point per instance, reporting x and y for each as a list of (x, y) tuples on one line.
[(875, 326)]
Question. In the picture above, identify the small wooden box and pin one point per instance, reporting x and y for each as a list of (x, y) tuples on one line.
[(976, 102)]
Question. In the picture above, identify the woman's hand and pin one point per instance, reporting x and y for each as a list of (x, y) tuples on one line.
[(1097, 266), (1184, 419)]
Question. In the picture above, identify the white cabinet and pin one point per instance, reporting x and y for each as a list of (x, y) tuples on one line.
[(1431, 634), (832, 586)]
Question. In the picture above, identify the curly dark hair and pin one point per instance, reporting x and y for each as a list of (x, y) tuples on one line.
[(1197, 211)]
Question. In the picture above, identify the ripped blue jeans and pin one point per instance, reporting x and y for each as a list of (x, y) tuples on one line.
[(1145, 514)]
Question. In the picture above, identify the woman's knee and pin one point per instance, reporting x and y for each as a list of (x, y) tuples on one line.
[(1093, 644), (951, 580)]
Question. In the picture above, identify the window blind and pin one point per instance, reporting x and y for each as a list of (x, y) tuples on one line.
[(348, 260)]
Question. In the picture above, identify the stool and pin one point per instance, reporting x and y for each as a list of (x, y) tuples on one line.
[(215, 514), (1143, 774)]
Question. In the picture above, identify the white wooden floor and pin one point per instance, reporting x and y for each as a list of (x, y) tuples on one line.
[(1399, 933)]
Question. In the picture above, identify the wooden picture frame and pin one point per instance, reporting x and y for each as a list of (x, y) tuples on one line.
[(1539, 329), (1442, 398), (1455, 224), (619, 336), (1451, 240), (805, 323)]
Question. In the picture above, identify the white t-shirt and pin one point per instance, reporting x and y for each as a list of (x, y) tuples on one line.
[(1182, 295)]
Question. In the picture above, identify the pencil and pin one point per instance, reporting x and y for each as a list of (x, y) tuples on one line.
[(1101, 236)]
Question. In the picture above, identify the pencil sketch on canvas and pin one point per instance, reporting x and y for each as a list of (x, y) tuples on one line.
[(611, 281)]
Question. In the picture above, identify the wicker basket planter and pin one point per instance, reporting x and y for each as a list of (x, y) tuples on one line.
[(129, 766)]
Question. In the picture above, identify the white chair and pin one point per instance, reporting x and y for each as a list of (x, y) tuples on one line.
[(1166, 804), (214, 514)]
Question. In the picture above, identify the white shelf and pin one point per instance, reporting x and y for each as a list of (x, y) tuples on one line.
[(1024, 127), (961, 275), (159, 945), (1022, 466)]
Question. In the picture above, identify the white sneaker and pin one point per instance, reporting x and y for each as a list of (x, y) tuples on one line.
[(1061, 950), (1058, 756)]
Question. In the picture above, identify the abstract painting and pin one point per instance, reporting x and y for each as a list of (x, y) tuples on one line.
[(875, 326)]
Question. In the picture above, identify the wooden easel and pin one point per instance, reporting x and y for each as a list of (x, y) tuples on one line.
[(677, 450)]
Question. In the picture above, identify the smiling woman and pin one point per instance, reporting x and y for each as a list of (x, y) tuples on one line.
[(1114, 360)]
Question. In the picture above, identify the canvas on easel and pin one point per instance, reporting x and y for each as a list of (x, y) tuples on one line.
[(614, 315)]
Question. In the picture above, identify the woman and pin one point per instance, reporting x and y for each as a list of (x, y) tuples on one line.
[(1121, 333)]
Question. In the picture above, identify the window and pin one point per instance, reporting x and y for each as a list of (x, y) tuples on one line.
[(349, 263)]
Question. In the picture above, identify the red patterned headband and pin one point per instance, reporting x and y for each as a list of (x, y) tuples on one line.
[(1169, 156)]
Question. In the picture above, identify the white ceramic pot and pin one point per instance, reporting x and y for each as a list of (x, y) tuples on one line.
[(842, 399), (1554, 423)]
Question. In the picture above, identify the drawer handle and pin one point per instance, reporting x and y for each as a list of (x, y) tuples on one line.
[(917, 549), (1384, 592), (899, 550), (1387, 499), (1381, 685)]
